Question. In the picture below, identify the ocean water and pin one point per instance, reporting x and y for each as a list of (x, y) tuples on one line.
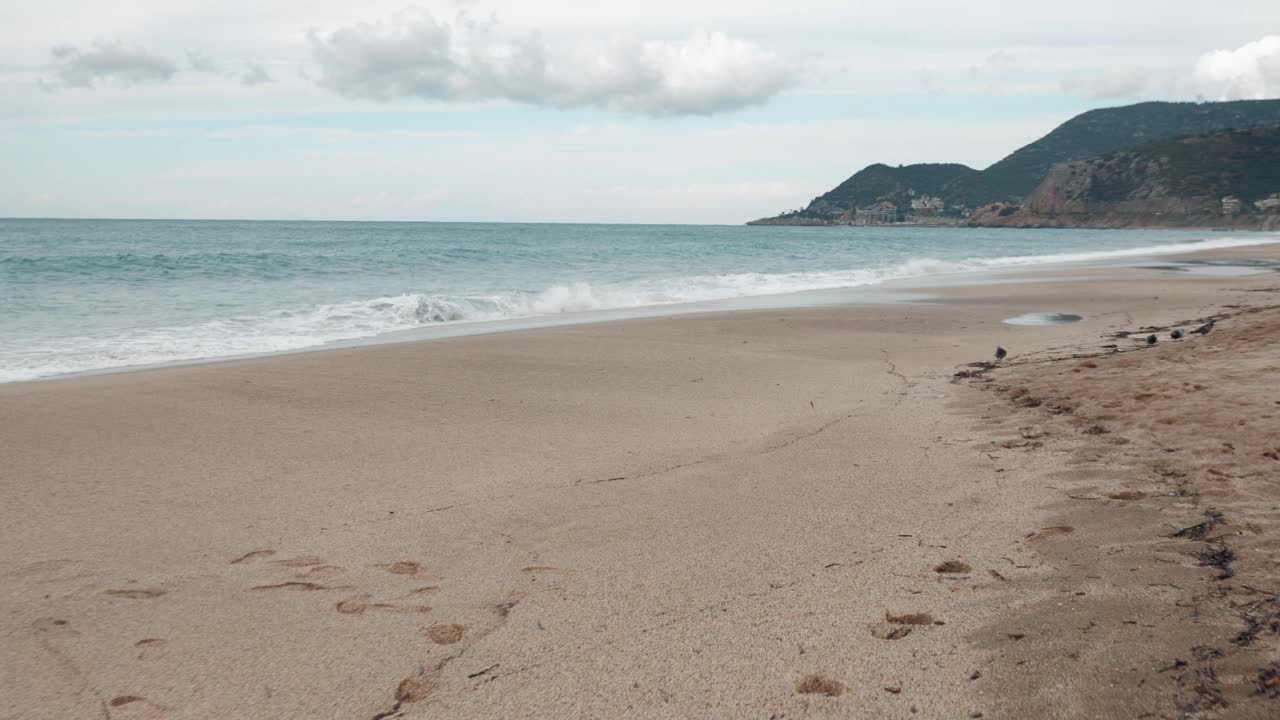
[(79, 295)]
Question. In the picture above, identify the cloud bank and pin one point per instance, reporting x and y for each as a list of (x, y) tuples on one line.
[(107, 63), (416, 56), (1116, 83), (1123, 82), (255, 74), (1250, 72), (199, 62)]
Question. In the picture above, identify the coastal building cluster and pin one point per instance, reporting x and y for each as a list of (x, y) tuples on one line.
[(882, 213), (919, 209), (927, 204), (1271, 203), (1232, 205)]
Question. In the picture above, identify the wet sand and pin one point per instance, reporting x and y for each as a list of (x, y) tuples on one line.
[(751, 514)]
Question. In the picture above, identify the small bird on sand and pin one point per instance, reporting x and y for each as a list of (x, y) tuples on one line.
[(1151, 340), (1001, 353), (1176, 334), (1205, 329)]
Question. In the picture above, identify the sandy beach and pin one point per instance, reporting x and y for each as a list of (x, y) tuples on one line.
[(765, 514)]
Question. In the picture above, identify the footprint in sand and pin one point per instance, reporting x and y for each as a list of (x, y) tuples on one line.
[(312, 567), (414, 689), (884, 631), (319, 571), (1050, 532), (446, 634), (910, 619), (304, 586), (139, 594), (136, 706), (359, 604), (300, 562), (352, 606), (56, 627), (404, 567), (150, 648), (252, 555), (816, 684), (952, 567), (408, 568), (896, 627), (504, 608), (410, 690), (1127, 495)]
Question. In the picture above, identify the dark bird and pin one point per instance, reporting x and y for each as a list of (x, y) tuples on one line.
[(1151, 340), (1176, 334), (1001, 353), (1205, 329)]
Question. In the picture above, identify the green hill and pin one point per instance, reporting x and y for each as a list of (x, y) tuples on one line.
[(1087, 135), (1101, 131), (873, 184), (882, 182), (1176, 182)]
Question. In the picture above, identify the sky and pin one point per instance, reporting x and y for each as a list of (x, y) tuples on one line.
[(710, 111)]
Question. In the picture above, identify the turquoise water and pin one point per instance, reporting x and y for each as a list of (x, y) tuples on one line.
[(82, 295)]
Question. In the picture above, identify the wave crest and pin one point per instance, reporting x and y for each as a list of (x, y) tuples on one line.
[(327, 323)]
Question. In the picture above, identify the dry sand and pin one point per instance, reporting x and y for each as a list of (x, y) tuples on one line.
[(760, 514)]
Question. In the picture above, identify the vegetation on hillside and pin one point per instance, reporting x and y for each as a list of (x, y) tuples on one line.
[(1088, 135), (1240, 163), (1101, 131), (1229, 180), (882, 182)]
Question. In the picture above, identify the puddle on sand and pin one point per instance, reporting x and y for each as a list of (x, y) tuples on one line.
[(1241, 267), (1045, 318)]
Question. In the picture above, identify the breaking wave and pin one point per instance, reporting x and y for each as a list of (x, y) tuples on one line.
[(297, 329)]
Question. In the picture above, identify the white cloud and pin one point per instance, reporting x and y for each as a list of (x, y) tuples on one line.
[(1113, 83), (255, 74), (465, 60), (996, 63), (105, 62), (200, 62), (1250, 72), (1120, 83)]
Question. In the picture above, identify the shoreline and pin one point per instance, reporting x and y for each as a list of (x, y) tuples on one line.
[(791, 511), (888, 291), (1261, 224)]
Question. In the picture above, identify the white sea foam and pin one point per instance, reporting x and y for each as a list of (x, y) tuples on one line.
[(1102, 255), (298, 329)]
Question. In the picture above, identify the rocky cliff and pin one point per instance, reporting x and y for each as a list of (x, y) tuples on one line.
[(1220, 180), (1106, 130)]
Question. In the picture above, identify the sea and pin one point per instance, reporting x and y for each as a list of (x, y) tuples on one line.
[(90, 295)]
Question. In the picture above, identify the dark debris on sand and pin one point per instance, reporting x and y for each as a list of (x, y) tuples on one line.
[(1242, 669), (1199, 531)]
